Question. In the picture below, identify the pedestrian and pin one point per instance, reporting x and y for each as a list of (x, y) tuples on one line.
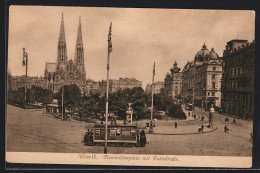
[(199, 129), (226, 120), (226, 129), (175, 124), (202, 127), (234, 121), (194, 116), (202, 118)]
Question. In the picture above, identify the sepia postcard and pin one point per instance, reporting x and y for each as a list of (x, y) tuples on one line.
[(130, 86)]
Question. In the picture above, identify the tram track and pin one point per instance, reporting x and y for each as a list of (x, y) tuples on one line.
[(47, 139)]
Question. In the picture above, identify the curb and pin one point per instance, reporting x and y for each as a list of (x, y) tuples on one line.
[(183, 133)]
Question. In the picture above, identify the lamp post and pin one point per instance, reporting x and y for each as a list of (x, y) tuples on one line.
[(108, 58), (151, 123), (62, 102), (25, 63), (193, 95)]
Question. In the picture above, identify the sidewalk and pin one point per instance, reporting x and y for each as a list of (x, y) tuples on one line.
[(181, 130), (241, 129)]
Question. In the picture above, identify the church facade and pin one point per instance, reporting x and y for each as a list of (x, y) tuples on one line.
[(64, 71)]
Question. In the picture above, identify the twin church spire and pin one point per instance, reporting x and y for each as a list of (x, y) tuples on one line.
[(62, 48)]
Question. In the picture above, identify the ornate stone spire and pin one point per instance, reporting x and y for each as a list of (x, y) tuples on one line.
[(62, 48), (79, 37), (79, 52), (62, 32)]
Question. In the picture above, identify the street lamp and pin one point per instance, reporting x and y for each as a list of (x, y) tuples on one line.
[(151, 123), (193, 95), (25, 63)]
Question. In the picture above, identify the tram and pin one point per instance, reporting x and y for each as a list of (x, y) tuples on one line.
[(117, 135), (188, 106)]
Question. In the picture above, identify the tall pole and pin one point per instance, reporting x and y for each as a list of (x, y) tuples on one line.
[(151, 123), (193, 99), (108, 58), (25, 63), (62, 93)]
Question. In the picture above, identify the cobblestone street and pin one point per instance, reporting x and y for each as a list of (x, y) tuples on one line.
[(31, 131)]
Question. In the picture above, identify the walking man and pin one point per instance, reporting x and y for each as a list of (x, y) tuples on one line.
[(226, 120), (226, 129), (234, 121), (202, 118), (202, 127)]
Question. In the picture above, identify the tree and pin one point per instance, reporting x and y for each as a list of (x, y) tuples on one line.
[(71, 97), (175, 111)]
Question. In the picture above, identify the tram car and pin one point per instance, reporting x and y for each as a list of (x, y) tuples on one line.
[(117, 135), (188, 106)]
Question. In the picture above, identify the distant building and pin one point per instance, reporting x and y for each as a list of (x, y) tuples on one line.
[(158, 87), (122, 83), (92, 87), (129, 83), (20, 81), (9, 78), (202, 79), (173, 81), (238, 78)]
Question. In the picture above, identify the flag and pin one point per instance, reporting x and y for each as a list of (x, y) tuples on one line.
[(154, 68), (109, 39)]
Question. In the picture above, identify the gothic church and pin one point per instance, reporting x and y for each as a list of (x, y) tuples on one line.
[(64, 71)]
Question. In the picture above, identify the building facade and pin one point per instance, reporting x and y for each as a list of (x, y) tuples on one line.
[(92, 87), (158, 87), (173, 81), (16, 82), (122, 83), (202, 79), (238, 78), (64, 71)]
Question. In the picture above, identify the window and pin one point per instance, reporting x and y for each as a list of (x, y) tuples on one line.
[(213, 85), (112, 132), (208, 93), (239, 71), (132, 133), (213, 93), (97, 132), (213, 76), (118, 132), (235, 72), (214, 68)]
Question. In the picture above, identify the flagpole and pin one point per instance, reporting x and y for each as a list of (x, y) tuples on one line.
[(151, 123), (108, 57), (62, 95)]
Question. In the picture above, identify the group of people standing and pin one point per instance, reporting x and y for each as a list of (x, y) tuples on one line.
[(226, 129), (195, 115)]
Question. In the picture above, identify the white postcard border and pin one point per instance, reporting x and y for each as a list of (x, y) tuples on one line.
[(129, 159)]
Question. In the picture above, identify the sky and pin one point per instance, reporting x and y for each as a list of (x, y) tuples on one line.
[(140, 37)]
